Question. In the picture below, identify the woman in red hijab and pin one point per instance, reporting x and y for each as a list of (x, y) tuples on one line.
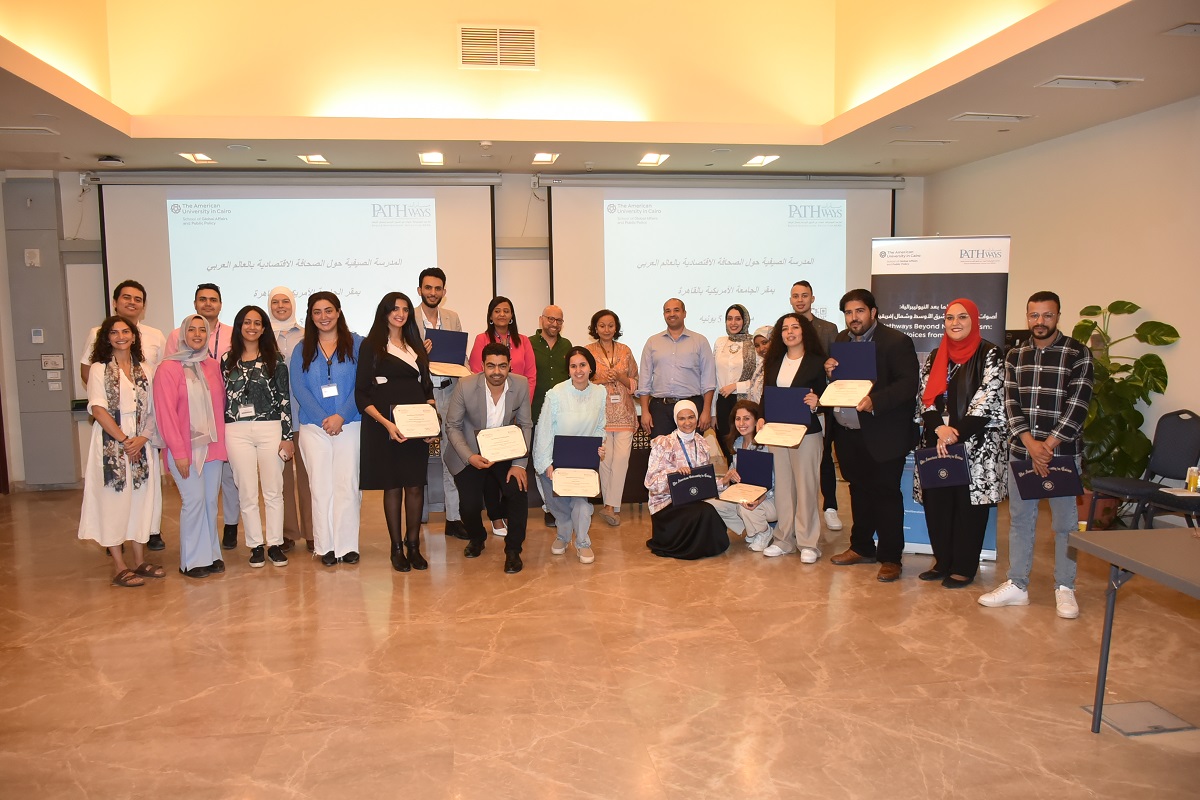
[(962, 401)]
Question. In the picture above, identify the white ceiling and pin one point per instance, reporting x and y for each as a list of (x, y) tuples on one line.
[(1128, 42)]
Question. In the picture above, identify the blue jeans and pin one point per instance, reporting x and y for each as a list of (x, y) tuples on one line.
[(1023, 516), (572, 515), (198, 544)]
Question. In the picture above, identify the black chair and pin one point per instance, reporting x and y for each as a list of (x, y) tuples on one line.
[(1187, 506), (1176, 447)]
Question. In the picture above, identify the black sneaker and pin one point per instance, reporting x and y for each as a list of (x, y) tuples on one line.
[(216, 567), (256, 557), (229, 538), (156, 542), (329, 559), (275, 553)]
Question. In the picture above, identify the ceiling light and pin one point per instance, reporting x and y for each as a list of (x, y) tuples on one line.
[(237, 147), (929, 142), (721, 150), (653, 159), (315, 158), (902, 128), (1186, 29), (198, 158), (972, 116), (1087, 82), (760, 161), (432, 159), (545, 158), (28, 130)]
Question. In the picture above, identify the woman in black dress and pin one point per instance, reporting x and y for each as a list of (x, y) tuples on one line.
[(393, 369)]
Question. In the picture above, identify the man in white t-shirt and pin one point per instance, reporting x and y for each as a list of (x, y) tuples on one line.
[(129, 301)]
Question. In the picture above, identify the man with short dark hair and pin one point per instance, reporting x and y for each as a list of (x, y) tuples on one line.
[(489, 399), (1047, 390), (802, 300), (431, 286), (677, 364), (875, 437)]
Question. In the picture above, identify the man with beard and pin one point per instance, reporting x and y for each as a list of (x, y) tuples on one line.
[(802, 300), (1047, 390)]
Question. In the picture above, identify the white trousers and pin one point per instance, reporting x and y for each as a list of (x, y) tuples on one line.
[(748, 521), (253, 448), (332, 463), (615, 465), (797, 494)]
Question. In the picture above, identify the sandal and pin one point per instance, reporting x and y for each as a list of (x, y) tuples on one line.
[(127, 578), (148, 570)]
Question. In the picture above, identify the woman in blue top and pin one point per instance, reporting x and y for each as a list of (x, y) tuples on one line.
[(572, 408), (323, 372)]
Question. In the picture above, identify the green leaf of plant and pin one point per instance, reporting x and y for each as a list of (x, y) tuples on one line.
[(1151, 373), (1091, 311), (1156, 333), (1083, 329), (1123, 307)]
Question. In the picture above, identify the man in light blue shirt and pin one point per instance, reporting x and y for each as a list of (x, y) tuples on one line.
[(677, 364)]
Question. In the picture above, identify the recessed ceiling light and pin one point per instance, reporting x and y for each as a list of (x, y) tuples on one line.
[(1087, 82), (545, 158), (198, 158), (653, 159), (431, 159), (1186, 29), (972, 116), (237, 147), (18, 130), (45, 117), (315, 158), (902, 128), (760, 161), (928, 142), (721, 150)]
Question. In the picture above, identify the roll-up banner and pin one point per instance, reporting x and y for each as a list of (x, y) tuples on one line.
[(913, 280)]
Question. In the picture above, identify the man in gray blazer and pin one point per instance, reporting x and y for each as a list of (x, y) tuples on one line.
[(431, 285), (491, 399)]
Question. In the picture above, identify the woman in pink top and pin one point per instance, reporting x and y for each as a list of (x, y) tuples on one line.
[(189, 406), (502, 328)]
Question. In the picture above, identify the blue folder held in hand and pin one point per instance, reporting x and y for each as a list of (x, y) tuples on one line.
[(786, 404), (937, 471), (699, 484), (449, 347), (577, 452), (856, 361), (756, 467), (1063, 480)]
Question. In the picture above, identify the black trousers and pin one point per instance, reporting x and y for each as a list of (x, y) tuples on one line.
[(876, 501), (662, 414), (724, 406), (956, 529), (828, 473), (473, 483)]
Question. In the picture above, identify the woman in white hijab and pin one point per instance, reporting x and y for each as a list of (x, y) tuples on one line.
[(189, 406), (690, 531), (281, 303)]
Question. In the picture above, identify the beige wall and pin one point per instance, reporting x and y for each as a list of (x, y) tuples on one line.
[(1104, 214), (71, 35)]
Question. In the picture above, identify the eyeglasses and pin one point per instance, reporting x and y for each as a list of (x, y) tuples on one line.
[(1034, 316), (553, 319)]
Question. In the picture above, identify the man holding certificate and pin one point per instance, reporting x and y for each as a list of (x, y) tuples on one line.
[(874, 436), (488, 429)]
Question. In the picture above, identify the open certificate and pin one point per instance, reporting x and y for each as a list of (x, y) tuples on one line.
[(576, 482), (501, 444), (756, 469), (744, 493), (416, 420), (448, 354), (854, 375), (786, 414)]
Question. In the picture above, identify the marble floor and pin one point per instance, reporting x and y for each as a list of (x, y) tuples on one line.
[(635, 677)]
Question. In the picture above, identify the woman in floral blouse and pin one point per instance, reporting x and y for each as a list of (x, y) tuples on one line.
[(617, 372)]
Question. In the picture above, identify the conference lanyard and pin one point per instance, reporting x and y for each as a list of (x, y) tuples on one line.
[(216, 342), (683, 447)]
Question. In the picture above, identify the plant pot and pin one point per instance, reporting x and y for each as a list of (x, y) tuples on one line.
[(1106, 510)]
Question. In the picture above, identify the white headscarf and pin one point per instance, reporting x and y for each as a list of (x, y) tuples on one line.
[(289, 323), (681, 406), (200, 403)]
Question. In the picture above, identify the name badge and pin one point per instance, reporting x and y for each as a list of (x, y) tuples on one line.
[(245, 412), (614, 398), (380, 379), (329, 390)]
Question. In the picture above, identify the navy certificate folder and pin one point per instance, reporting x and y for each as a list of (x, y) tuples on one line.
[(756, 467), (1063, 480), (856, 361), (700, 484), (576, 452), (937, 471), (786, 404), (449, 347)]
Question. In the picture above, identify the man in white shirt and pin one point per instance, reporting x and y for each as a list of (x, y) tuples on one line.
[(129, 301)]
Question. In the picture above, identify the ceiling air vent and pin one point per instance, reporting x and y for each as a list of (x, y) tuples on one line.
[(497, 48), (973, 116), (19, 130)]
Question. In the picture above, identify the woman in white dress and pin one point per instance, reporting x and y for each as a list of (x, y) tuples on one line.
[(118, 495)]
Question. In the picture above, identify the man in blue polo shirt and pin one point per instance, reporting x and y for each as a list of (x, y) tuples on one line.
[(677, 364)]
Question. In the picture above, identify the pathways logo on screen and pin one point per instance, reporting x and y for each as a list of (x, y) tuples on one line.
[(393, 210)]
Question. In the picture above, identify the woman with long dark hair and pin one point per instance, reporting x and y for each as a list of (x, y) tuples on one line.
[(393, 369), (323, 372), (119, 478), (795, 358), (258, 430), (752, 519)]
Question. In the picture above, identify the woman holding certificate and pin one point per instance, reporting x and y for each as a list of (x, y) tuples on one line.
[(572, 408), (962, 402), (118, 481), (323, 371), (753, 519), (617, 372), (393, 371), (736, 364), (795, 359), (690, 531)]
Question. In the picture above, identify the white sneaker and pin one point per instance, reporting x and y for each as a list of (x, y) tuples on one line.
[(1006, 594), (832, 521), (774, 551), (586, 556), (762, 541), (500, 529), (1064, 603), (809, 555), (559, 547)]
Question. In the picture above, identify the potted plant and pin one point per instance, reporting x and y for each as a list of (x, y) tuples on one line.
[(1113, 441)]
